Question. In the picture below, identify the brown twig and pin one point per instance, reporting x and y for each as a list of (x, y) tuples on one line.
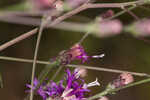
[(18, 39), (92, 5), (70, 26), (114, 5)]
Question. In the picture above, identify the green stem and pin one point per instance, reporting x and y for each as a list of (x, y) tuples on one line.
[(105, 92), (57, 72)]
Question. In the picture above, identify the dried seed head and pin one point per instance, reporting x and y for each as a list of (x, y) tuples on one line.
[(122, 80), (127, 77)]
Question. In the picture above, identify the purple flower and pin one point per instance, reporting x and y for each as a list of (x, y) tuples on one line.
[(74, 89), (39, 91), (73, 84)]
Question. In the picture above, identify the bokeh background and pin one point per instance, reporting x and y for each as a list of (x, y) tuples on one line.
[(124, 52)]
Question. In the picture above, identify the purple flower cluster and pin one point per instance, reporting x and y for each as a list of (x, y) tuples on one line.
[(74, 89)]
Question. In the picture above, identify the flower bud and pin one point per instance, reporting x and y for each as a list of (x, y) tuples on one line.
[(107, 14), (108, 28)]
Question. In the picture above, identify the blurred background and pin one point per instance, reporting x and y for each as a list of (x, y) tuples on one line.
[(124, 52)]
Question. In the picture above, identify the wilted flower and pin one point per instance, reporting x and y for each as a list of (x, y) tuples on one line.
[(122, 80), (127, 77), (74, 89), (76, 52)]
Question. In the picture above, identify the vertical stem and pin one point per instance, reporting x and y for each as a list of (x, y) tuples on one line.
[(43, 23)]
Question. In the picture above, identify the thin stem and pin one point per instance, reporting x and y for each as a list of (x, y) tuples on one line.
[(84, 36), (74, 66), (131, 13), (105, 92), (18, 39), (109, 70), (44, 22), (23, 60)]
